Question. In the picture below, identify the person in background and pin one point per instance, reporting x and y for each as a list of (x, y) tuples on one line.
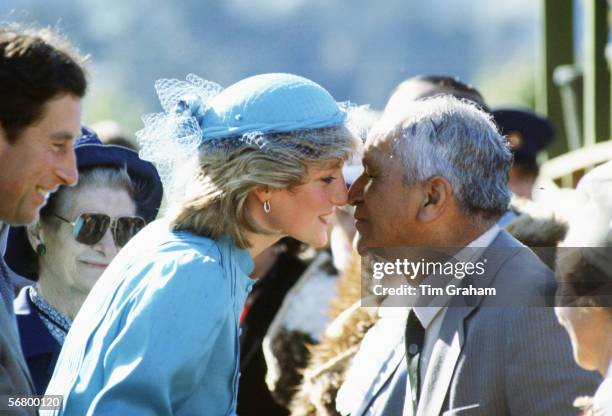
[(245, 167), (42, 82), (420, 87), (528, 134), (111, 132), (584, 272), (78, 233)]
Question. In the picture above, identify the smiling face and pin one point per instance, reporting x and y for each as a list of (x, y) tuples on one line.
[(75, 266), (39, 160), (385, 207), (304, 211)]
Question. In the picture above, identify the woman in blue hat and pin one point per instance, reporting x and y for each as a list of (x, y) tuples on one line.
[(79, 232), (242, 167)]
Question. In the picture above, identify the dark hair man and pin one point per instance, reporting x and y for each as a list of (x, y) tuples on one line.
[(42, 81)]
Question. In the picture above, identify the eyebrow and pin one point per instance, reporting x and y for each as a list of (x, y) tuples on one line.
[(63, 135)]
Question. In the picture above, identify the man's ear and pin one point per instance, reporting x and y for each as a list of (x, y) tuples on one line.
[(35, 235), (262, 193), (437, 194)]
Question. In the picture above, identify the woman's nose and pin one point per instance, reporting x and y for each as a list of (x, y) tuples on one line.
[(107, 245), (340, 196)]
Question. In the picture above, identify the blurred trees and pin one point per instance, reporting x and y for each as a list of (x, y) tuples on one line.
[(357, 49)]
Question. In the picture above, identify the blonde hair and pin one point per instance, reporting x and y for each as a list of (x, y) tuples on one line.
[(215, 200)]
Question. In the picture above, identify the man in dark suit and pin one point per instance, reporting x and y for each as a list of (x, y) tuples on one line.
[(42, 82), (436, 176)]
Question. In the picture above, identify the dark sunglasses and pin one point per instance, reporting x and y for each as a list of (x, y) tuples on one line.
[(89, 228)]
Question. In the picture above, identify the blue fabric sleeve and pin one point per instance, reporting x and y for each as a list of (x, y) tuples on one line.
[(163, 347)]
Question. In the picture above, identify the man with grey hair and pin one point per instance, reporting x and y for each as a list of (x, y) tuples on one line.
[(436, 176)]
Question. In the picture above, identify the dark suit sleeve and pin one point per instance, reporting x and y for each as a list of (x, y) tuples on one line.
[(541, 377), (9, 370)]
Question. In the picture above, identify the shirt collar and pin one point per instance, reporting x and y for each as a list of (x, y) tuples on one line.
[(243, 258), (245, 261), (426, 314), (485, 239)]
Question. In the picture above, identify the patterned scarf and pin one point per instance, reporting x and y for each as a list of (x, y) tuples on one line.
[(56, 322)]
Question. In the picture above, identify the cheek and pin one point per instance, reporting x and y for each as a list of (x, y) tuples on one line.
[(313, 203), (582, 338), (582, 348), (304, 212), (63, 247)]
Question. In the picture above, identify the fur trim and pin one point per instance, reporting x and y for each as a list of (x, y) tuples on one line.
[(332, 356), (539, 228)]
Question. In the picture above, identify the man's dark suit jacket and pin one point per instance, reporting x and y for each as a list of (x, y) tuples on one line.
[(14, 377)]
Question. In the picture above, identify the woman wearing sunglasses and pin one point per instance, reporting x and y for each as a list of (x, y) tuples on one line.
[(79, 232), (245, 166)]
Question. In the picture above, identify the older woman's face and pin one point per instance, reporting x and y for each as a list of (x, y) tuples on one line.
[(588, 329), (305, 211), (74, 265)]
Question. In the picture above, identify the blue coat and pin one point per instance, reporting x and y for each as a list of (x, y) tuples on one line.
[(158, 334), (39, 347)]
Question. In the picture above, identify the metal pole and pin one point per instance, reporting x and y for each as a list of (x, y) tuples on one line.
[(557, 48), (596, 74)]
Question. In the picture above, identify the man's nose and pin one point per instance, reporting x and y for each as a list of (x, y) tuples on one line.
[(356, 190), (67, 170)]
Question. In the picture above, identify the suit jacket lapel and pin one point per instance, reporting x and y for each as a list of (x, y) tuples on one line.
[(451, 338), (381, 352), (443, 359), (385, 374)]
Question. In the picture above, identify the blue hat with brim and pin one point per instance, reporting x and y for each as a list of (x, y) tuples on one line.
[(270, 103), (90, 152), (201, 114)]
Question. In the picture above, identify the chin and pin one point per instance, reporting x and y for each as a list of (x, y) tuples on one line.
[(317, 240), (584, 360), (89, 278), (359, 244), (24, 218)]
